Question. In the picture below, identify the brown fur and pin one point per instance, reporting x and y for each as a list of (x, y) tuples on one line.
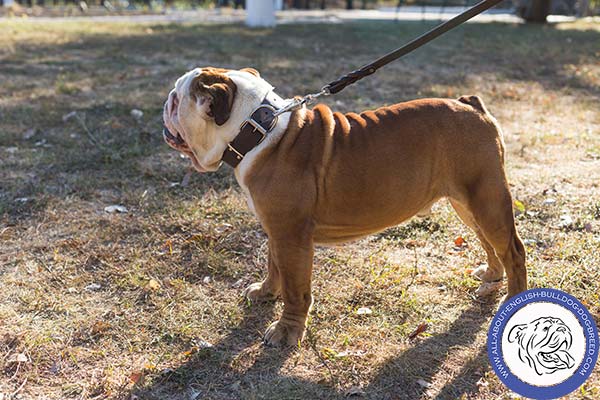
[(219, 88), (334, 177)]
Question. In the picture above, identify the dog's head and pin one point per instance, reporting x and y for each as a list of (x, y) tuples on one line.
[(544, 344), (205, 109)]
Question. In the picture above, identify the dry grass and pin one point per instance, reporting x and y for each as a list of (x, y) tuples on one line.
[(114, 305)]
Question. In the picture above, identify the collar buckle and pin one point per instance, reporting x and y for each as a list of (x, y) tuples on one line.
[(256, 125), (262, 120)]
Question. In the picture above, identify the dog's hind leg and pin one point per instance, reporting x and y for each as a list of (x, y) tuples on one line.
[(492, 271), (489, 202)]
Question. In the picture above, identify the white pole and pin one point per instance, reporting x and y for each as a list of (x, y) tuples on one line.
[(260, 13)]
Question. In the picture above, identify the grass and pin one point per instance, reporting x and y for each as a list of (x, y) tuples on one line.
[(147, 304)]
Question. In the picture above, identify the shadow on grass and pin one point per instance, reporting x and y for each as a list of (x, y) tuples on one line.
[(221, 372)]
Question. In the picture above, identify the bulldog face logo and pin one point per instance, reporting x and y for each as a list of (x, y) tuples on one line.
[(544, 344)]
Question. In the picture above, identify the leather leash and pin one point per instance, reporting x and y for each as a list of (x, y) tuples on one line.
[(339, 84), (264, 118)]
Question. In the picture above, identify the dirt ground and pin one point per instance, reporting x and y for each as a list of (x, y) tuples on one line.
[(146, 304)]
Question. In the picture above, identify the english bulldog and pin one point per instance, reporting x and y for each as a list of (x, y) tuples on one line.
[(314, 176), (544, 344)]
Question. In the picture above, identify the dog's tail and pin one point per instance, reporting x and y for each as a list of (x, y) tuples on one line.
[(475, 102)]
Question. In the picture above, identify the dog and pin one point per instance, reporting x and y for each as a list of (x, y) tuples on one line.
[(544, 344), (322, 177)]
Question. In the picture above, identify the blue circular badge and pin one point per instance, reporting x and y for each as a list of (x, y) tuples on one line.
[(543, 343)]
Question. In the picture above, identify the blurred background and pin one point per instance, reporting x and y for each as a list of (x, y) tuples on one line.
[(530, 10)]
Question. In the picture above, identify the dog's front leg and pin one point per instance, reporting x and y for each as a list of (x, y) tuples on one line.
[(293, 257), (268, 289)]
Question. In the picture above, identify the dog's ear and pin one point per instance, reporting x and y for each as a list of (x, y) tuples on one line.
[(251, 71), (516, 332), (219, 89)]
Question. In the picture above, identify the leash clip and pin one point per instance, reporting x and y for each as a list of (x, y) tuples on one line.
[(298, 102)]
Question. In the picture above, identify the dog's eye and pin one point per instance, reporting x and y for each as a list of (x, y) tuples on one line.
[(546, 328)]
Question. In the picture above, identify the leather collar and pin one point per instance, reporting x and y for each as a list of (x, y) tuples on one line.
[(254, 129)]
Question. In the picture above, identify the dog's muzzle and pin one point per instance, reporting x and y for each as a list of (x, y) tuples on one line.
[(172, 139)]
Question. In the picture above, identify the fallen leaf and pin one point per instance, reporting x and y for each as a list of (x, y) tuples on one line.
[(423, 383), (68, 116), (565, 221), (149, 367), (482, 382), (355, 391), (238, 283), (201, 343), (100, 327), (93, 287), (29, 133), (519, 206), (116, 208), (18, 358), (350, 353), (420, 329), (137, 114), (460, 242), (137, 377), (410, 244), (364, 311), (152, 284), (189, 352), (116, 124), (329, 353)]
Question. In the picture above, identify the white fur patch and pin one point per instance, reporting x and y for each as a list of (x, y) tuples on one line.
[(251, 91)]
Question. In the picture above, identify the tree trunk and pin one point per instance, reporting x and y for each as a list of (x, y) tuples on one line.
[(537, 11), (349, 4)]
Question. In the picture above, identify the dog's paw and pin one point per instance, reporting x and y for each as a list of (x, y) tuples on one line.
[(488, 288), (257, 292), (282, 334), (486, 274)]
